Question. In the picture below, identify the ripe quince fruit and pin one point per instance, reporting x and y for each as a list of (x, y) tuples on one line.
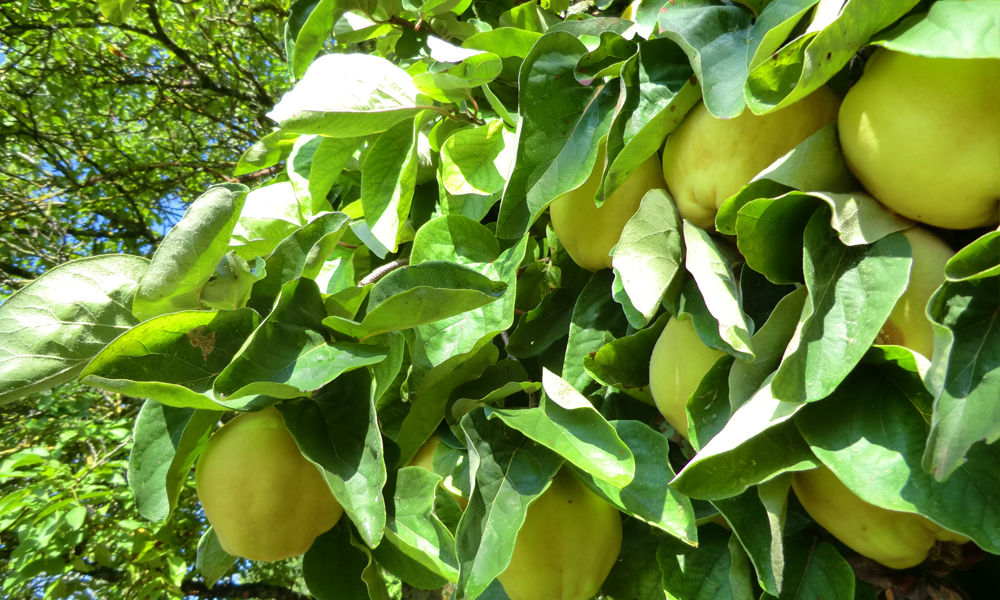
[(923, 136), (707, 160), (568, 543), (264, 499), (589, 233), (678, 364), (908, 325), (898, 540)]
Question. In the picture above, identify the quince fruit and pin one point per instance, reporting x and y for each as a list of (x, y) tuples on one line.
[(923, 136), (898, 540), (568, 543), (264, 499), (707, 160), (679, 362), (589, 233), (908, 324)]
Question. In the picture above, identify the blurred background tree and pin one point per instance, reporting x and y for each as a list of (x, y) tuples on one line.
[(108, 132)]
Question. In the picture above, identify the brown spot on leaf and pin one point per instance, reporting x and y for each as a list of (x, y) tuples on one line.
[(199, 339)]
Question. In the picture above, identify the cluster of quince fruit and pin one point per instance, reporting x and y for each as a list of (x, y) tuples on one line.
[(923, 137), (267, 502)]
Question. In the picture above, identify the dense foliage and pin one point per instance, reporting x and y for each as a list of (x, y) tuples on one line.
[(402, 283)]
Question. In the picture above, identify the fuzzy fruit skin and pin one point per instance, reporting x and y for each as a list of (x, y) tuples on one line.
[(679, 362), (588, 233), (264, 499), (923, 136), (707, 160), (566, 548), (908, 325), (898, 540)]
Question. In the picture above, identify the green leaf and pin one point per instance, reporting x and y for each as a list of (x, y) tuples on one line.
[(759, 442), (338, 430), (212, 562), (167, 440), (597, 320), (388, 178), (951, 29), (541, 326), (650, 253), (456, 83), (659, 90), (803, 65), (300, 254), (509, 471), (497, 382), (769, 342), (270, 214), (421, 294), (979, 259), (347, 95), (869, 425), (560, 127), (315, 164), (624, 363), (458, 239), (230, 287), (53, 326), (116, 11), (748, 518), (715, 39), (269, 151), (717, 284), (307, 28), (701, 574), (186, 258), (346, 581), (505, 42), (173, 359), (636, 574), (644, 496), (430, 395), (606, 59), (708, 408), (852, 291), (415, 526), (773, 25), (476, 160), (288, 355), (815, 164), (815, 572), (964, 373), (569, 425)]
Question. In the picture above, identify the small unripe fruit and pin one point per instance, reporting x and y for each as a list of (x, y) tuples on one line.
[(678, 364), (264, 499)]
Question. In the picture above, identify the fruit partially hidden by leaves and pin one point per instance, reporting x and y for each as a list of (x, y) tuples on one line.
[(568, 543), (679, 362), (264, 499), (706, 160), (898, 540), (923, 136), (908, 324), (589, 233)]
